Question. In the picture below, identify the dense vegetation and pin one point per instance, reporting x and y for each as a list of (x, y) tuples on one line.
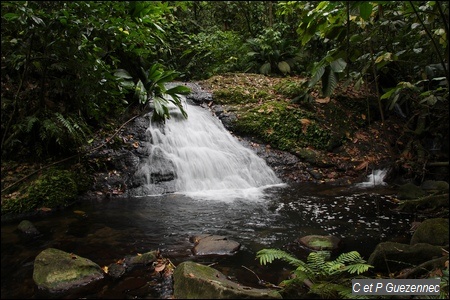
[(71, 69)]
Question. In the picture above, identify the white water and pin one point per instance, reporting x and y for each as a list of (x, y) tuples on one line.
[(374, 179), (209, 162)]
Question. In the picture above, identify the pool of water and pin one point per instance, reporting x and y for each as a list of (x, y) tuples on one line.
[(108, 230)]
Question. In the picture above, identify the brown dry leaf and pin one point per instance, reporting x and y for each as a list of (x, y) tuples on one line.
[(121, 261), (45, 209), (323, 100), (160, 267), (360, 136), (191, 275), (136, 144), (362, 165), (105, 269)]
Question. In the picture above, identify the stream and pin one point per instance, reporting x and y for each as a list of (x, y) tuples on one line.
[(108, 230), (214, 185)]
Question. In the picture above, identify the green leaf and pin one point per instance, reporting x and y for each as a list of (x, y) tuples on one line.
[(180, 89), (10, 16), (141, 92), (329, 82), (121, 73), (284, 67), (338, 65), (265, 69), (365, 10), (316, 77)]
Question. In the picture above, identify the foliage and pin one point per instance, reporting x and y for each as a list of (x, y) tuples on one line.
[(329, 279), (214, 52), (272, 52), (58, 66), (154, 88)]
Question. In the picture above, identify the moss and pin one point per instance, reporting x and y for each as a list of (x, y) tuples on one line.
[(283, 125), (52, 189), (239, 95), (290, 88)]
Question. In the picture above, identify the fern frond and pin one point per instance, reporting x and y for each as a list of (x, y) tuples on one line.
[(31, 120), (267, 256), (325, 290), (350, 257), (316, 261), (67, 124), (357, 268)]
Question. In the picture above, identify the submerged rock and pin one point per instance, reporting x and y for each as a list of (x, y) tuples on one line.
[(320, 242), (207, 244)]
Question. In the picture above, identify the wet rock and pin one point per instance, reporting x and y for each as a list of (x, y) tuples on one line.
[(196, 281), (207, 244), (393, 257), (116, 270), (432, 231), (434, 185), (320, 242), (28, 228), (410, 191), (56, 270), (141, 259)]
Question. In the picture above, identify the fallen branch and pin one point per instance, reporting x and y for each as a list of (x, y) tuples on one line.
[(424, 267), (68, 158)]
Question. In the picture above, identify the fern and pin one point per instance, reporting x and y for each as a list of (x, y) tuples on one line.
[(269, 255), (330, 279)]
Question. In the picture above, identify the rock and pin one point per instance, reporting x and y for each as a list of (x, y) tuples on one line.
[(207, 244), (28, 228), (196, 281), (432, 231), (320, 242), (392, 257), (410, 191), (56, 270), (434, 185), (141, 259)]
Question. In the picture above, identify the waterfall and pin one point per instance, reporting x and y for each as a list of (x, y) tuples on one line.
[(374, 179), (207, 161)]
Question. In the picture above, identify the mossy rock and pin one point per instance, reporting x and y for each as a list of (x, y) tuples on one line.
[(410, 191), (432, 231)]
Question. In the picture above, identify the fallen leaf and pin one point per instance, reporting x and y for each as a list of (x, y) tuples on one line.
[(160, 267)]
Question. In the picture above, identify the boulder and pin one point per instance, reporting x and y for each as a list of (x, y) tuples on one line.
[(432, 231), (196, 281), (207, 244), (410, 191), (28, 228), (320, 242), (57, 271)]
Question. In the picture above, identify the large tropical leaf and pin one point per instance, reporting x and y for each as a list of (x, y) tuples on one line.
[(329, 82)]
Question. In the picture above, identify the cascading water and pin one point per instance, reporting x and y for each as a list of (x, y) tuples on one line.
[(374, 179), (207, 161)]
